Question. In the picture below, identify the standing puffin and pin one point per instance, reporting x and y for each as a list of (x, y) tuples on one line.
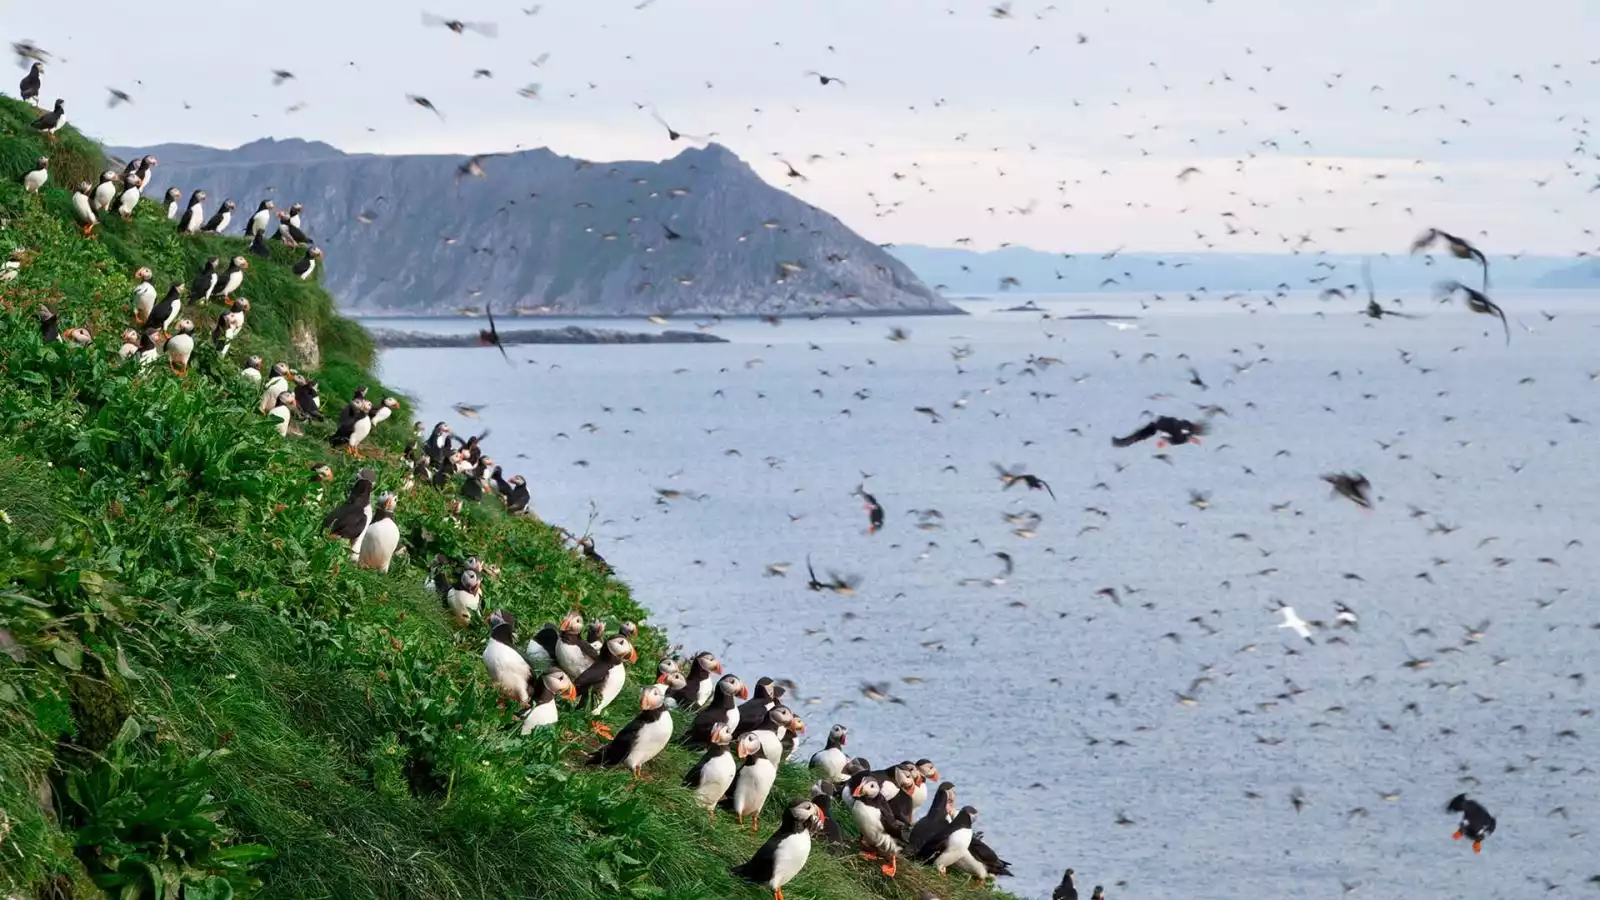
[(1066, 890), (83, 208), (350, 520), (164, 313), (172, 199), (252, 370), (229, 324), (881, 831), (306, 398), (642, 739), (517, 498), (563, 645), (105, 191), (130, 344), (194, 215), (387, 408), (940, 813), (218, 223), (713, 774), (128, 200), (780, 722), (353, 425), (721, 711), (507, 669), (204, 285), (144, 294), (148, 351), (257, 223), (382, 537), (1476, 823), (830, 760), (51, 122), (947, 847), (603, 681), (547, 688), (307, 267), (294, 214), (289, 233), (147, 167), (181, 346), (465, 596), (752, 783), (698, 684), (34, 179), (784, 854), (31, 82), (277, 381), (233, 278), (282, 409)]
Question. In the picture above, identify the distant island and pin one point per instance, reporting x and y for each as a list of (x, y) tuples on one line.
[(572, 334), (699, 233)]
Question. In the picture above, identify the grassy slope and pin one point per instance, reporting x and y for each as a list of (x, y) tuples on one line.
[(177, 531)]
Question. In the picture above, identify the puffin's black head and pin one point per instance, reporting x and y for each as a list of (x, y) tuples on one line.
[(228, 205), (927, 769), (174, 195), (733, 686), (628, 630), (502, 625)]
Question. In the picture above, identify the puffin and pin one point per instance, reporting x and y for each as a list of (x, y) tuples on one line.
[(1173, 430), (51, 122), (904, 779), (194, 215), (546, 689), (83, 208), (984, 863), (517, 498), (780, 722), (294, 214), (507, 669), (354, 425), (105, 191), (218, 223), (350, 520), (563, 646), (382, 537), (232, 278), (829, 762), (228, 325), (881, 832), (277, 381), (437, 446), (29, 89), (698, 687), (146, 167), (951, 843), (165, 312), (721, 711), (282, 409), (144, 294), (289, 233), (128, 200), (305, 397), (1066, 890), (387, 408), (257, 223), (204, 285), (472, 485), (940, 813), (307, 267), (501, 485), (711, 777), (822, 795), (252, 370), (49, 325), (784, 854), (927, 772), (586, 544), (642, 739), (603, 680), (752, 783), (465, 596), (754, 712), (1353, 486), (181, 346), (172, 199), (148, 351), (130, 344), (1476, 823), (35, 178)]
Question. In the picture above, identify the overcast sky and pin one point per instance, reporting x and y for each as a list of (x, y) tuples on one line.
[(1384, 116)]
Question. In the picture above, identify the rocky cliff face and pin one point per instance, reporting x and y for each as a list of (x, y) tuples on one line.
[(698, 233)]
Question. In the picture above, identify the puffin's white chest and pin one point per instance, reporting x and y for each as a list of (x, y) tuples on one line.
[(127, 350), (702, 691), (35, 180), (179, 348), (571, 658), (919, 795), (81, 208), (508, 669), (772, 744), (222, 221), (251, 375), (104, 193), (378, 545), (955, 847), (463, 604), (789, 857), (649, 741), (359, 431), (276, 385), (281, 413), (310, 268), (172, 316), (543, 715), (235, 277), (751, 786), (611, 687), (257, 223), (193, 218), (144, 298), (715, 777), (129, 201), (831, 763)]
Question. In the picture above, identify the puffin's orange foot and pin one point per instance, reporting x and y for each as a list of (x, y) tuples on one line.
[(1477, 846), (601, 729), (892, 867), (868, 854), (1456, 836), (755, 823), (777, 893)]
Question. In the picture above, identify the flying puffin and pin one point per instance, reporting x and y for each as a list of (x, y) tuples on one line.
[(713, 774), (465, 596), (83, 208), (354, 425), (642, 739), (277, 381), (723, 710), (1476, 823), (881, 832), (752, 782), (130, 344), (229, 324), (563, 645), (252, 370), (350, 520), (29, 89), (1173, 430), (829, 761), (507, 669), (128, 200), (204, 285), (257, 223), (165, 312), (784, 854), (105, 191), (194, 215), (233, 278), (51, 122), (549, 686), (181, 346), (382, 537), (34, 179), (305, 268), (172, 199), (603, 680), (947, 847), (144, 294), (306, 398), (218, 223)]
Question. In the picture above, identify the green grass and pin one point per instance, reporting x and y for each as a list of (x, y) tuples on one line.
[(176, 624)]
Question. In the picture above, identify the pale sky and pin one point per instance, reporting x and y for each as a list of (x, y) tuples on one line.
[(975, 112)]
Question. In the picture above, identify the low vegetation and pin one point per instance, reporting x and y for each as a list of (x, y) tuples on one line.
[(200, 697)]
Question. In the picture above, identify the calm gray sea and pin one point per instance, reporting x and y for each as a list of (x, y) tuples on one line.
[(1056, 711)]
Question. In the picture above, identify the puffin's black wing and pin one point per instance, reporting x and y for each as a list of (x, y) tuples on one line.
[(1046, 485), (691, 779), (213, 223), (1143, 434), (615, 752), (494, 334), (991, 860), (759, 867), (930, 849), (591, 679), (347, 426), (699, 733), (547, 638), (348, 521)]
